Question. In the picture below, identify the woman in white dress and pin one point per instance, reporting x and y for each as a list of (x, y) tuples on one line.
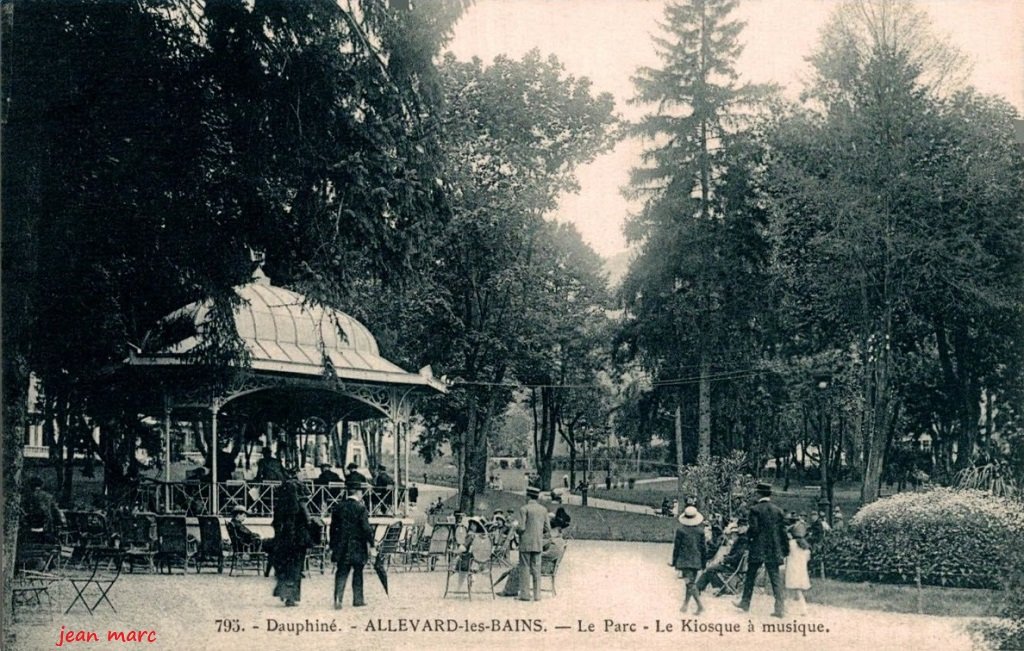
[(797, 578)]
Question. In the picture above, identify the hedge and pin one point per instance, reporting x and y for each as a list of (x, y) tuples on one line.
[(953, 538)]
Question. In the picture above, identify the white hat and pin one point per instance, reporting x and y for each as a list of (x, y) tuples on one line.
[(691, 517)]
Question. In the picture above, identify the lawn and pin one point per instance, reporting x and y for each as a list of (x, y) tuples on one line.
[(799, 498), (932, 600), (587, 522)]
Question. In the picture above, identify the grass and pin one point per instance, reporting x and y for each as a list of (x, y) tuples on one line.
[(588, 523), (933, 600), (799, 498)]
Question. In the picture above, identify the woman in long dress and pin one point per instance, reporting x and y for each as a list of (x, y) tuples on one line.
[(291, 540), (797, 578)]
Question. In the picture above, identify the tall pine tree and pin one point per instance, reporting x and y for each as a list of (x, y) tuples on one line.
[(686, 292)]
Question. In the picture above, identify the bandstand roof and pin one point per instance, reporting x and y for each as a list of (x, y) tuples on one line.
[(287, 333)]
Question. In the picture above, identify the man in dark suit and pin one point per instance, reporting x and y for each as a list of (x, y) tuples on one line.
[(768, 546), (383, 486), (351, 534)]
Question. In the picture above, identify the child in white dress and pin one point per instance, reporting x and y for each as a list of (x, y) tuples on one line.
[(797, 578)]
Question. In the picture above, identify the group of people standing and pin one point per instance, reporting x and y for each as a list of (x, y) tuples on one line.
[(540, 535), (764, 536), (295, 531)]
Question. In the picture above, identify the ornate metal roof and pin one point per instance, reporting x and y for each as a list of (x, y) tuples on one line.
[(287, 333)]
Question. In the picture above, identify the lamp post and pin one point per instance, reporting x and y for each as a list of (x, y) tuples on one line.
[(822, 383)]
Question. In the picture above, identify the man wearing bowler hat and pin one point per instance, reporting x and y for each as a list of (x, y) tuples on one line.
[(533, 528), (768, 546), (351, 534)]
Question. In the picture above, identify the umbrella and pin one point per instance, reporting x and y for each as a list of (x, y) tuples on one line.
[(382, 572)]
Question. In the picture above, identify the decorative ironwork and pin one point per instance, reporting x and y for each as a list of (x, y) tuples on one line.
[(258, 498)]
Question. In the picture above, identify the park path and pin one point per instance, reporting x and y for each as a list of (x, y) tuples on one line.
[(625, 590)]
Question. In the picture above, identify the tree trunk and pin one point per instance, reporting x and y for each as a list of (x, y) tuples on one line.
[(704, 441), (679, 446), (879, 401), (475, 455)]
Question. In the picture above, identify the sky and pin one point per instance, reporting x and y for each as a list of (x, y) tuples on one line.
[(606, 40)]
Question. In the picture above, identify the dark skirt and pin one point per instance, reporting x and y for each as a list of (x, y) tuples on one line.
[(511, 588), (288, 571)]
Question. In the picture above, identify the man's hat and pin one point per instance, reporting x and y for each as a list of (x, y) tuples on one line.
[(763, 488), (691, 517), (355, 482), (238, 508), (532, 492)]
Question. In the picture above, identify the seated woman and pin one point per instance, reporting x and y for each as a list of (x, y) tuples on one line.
[(561, 519), (475, 550)]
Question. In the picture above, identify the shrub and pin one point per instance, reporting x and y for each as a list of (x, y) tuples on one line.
[(955, 538), (718, 482)]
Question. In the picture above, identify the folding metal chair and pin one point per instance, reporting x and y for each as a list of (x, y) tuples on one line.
[(174, 545), (139, 536), (210, 551), (732, 583), (549, 568), (475, 561), (440, 546), (246, 554), (97, 579), (388, 546)]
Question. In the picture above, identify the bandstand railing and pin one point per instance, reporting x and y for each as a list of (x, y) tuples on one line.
[(258, 498)]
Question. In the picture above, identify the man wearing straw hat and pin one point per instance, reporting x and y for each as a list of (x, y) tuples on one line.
[(533, 528), (768, 547)]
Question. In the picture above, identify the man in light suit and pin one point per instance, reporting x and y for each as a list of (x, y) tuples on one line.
[(768, 546), (533, 528)]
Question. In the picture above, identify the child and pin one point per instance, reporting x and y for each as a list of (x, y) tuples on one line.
[(797, 578), (689, 554)]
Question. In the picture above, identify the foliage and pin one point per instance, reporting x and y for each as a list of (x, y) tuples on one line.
[(955, 538), (718, 483), (301, 131), (690, 292), (515, 132), (993, 477), (893, 201)]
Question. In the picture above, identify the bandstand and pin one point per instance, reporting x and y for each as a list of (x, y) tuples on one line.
[(305, 361)]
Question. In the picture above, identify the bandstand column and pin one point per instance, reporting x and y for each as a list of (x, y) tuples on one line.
[(215, 457), (167, 454)]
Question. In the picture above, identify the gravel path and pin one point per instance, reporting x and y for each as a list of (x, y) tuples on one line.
[(625, 590)]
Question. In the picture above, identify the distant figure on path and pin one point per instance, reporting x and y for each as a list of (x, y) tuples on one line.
[(768, 547), (533, 528), (291, 539), (414, 494), (689, 554), (351, 536)]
